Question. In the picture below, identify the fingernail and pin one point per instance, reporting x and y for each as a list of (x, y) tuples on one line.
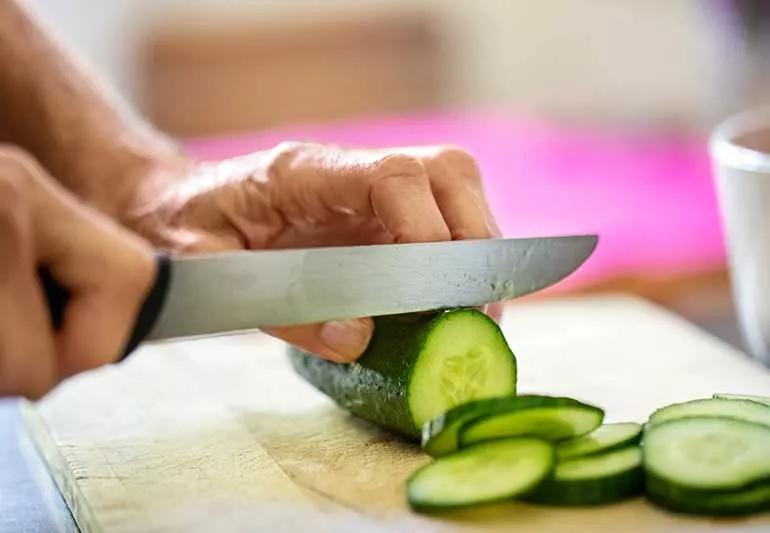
[(347, 338)]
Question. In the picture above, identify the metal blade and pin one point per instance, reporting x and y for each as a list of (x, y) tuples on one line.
[(246, 290)]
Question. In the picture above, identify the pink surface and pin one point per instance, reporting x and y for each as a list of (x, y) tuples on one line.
[(650, 198)]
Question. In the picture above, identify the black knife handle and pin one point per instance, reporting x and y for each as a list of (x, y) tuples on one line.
[(57, 298)]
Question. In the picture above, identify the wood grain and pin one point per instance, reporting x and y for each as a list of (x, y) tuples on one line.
[(219, 434)]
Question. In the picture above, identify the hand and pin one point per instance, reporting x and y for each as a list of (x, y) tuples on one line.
[(106, 269), (299, 195)]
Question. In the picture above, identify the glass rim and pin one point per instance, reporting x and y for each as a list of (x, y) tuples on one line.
[(724, 149)]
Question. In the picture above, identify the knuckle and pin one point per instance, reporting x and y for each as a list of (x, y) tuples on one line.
[(286, 154), (136, 272), (16, 165), (398, 164), (11, 154), (292, 149), (455, 161)]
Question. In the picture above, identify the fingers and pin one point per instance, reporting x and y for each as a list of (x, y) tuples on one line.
[(456, 183), (106, 271), (402, 199), (341, 341), (27, 362)]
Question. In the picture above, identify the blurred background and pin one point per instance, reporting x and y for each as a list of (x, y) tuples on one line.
[(258, 63), (585, 115)]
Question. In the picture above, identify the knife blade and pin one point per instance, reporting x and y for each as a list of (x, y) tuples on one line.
[(246, 290)]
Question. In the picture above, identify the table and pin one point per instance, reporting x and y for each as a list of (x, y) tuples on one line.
[(30, 501)]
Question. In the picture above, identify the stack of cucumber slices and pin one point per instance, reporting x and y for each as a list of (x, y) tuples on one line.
[(541, 449), (708, 456), (451, 377)]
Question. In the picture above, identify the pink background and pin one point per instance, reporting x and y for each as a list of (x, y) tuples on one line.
[(649, 197)]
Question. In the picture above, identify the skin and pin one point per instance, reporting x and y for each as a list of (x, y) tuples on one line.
[(75, 144)]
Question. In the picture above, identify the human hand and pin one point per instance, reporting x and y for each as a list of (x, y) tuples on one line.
[(302, 194), (106, 270)]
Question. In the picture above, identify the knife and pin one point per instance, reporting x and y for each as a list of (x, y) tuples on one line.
[(242, 290)]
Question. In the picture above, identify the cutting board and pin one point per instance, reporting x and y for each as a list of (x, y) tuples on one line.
[(220, 435)]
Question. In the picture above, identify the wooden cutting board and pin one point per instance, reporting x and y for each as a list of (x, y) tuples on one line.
[(220, 435)]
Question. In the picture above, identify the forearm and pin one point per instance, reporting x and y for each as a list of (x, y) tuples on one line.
[(52, 106)]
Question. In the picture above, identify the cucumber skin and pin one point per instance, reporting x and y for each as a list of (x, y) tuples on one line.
[(655, 417), (589, 492), (764, 400), (717, 503), (376, 387)]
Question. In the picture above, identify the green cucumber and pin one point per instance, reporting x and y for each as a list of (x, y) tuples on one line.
[(751, 397), (593, 480), (440, 435), (681, 500), (545, 417), (416, 367), (605, 438), (747, 410), (701, 454), (485, 473)]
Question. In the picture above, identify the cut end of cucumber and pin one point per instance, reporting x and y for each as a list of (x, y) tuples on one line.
[(464, 358), (708, 453), (488, 472), (740, 409)]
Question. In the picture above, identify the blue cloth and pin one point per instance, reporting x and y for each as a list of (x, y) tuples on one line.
[(29, 499)]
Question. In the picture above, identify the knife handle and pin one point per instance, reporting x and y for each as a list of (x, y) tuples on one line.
[(57, 298)]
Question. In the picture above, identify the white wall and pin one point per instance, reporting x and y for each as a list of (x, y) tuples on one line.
[(626, 60)]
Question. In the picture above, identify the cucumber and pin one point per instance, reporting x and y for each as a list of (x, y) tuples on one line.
[(603, 439), (742, 502), (747, 410), (752, 397), (485, 473), (701, 454), (440, 435), (416, 367), (545, 417), (593, 480)]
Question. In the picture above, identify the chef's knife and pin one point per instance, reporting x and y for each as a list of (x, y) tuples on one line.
[(225, 292)]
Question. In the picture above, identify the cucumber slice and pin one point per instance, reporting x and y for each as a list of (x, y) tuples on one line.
[(545, 417), (680, 500), (752, 397), (747, 410), (487, 472), (593, 480), (603, 439), (707, 454), (416, 367), (440, 435)]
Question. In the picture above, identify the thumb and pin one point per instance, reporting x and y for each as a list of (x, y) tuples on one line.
[(340, 341)]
